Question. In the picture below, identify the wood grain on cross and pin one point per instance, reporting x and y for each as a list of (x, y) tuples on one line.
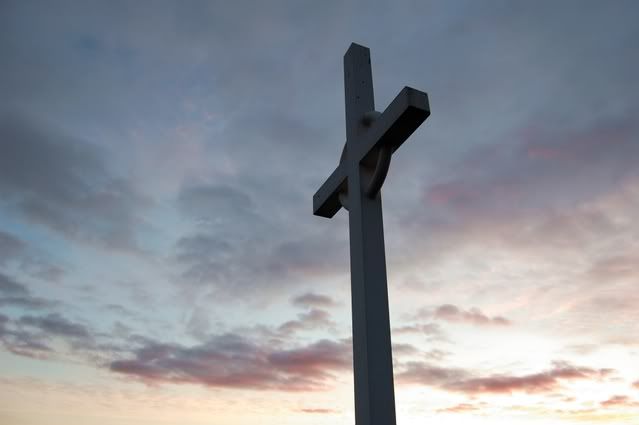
[(371, 138)]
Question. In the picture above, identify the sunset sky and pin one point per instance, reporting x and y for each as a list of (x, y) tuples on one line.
[(160, 262)]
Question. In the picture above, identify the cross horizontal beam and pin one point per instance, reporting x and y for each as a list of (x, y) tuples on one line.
[(398, 121)]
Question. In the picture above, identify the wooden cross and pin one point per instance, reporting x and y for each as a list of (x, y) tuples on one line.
[(371, 139)]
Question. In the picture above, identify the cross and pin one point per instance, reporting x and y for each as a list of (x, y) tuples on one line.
[(371, 139)]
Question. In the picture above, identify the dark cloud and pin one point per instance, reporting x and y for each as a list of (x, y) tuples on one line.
[(25, 344), (232, 361), (19, 342), (56, 325), (28, 302), (65, 185), (13, 293), (474, 316), (39, 336), (311, 299)]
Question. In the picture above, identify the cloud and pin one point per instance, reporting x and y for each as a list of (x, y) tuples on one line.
[(619, 401), (466, 381), (65, 185), (15, 250), (233, 247), (10, 287), (546, 381), (13, 293), (198, 248), (215, 203), (494, 181), (504, 195), (615, 268), (10, 247), (400, 349), (312, 319), (424, 373), (570, 219), (232, 361), (432, 330), (436, 355), (311, 299), (474, 316), (315, 359), (19, 342), (56, 325), (29, 302)]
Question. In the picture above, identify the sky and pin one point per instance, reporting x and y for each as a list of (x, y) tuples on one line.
[(160, 262)]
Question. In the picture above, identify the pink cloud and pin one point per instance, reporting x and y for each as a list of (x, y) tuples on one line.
[(546, 381), (465, 381), (231, 361), (619, 401)]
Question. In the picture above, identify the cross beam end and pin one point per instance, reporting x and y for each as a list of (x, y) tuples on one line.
[(326, 201), (400, 119)]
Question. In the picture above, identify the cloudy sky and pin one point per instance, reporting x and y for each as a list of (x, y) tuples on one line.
[(160, 263)]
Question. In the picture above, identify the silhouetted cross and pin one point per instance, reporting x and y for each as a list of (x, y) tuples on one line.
[(371, 138)]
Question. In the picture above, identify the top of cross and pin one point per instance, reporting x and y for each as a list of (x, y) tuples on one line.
[(371, 137)]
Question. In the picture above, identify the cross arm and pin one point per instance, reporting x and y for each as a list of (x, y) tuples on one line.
[(398, 121), (326, 201)]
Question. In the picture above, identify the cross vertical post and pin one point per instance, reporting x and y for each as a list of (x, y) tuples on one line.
[(372, 356), (371, 138)]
